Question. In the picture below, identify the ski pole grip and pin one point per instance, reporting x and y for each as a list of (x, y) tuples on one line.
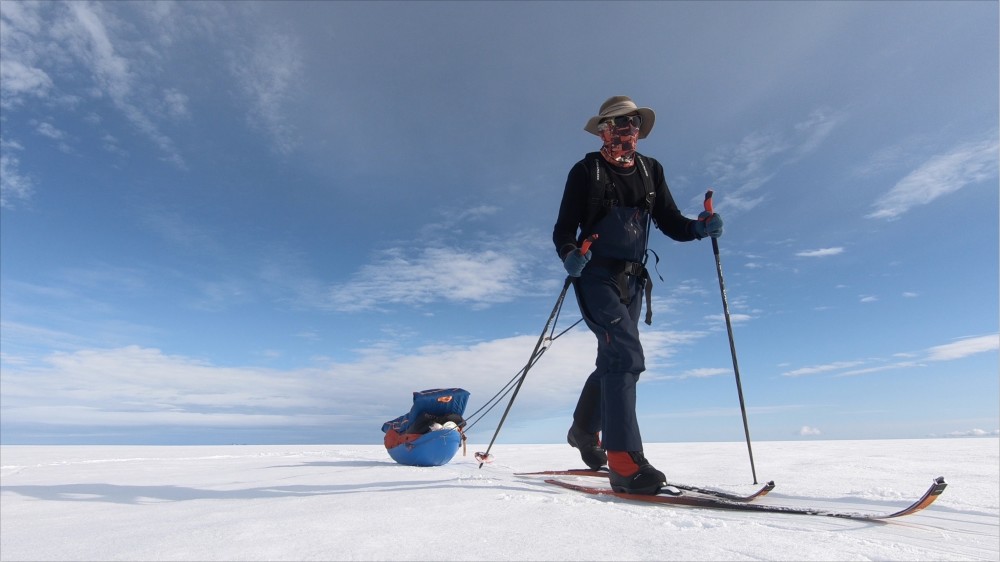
[(708, 202), (585, 247)]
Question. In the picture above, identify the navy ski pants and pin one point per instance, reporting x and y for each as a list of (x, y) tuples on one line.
[(607, 402)]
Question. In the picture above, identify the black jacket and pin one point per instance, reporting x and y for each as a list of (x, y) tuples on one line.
[(568, 231)]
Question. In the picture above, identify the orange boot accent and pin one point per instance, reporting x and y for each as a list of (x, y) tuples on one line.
[(621, 462)]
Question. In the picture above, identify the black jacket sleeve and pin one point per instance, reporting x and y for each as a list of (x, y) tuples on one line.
[(666, 215), (572, 210)]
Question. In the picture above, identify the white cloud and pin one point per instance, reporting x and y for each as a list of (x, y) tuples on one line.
[(733, 317), (401, 275), (959, 349), (974, 433), (891, 159), (40, 41), (701, 373), (945, 173), (97, 49), (880, 368), (478, 212), (20, 81), (135, 374), (820, 253), (50, 131), (14, 185), (176, 103), (807, 431), (964, 348), (816, 128), (816, 369), (450, 265), (142, 386), (661, 345), (743, 168), (176, 229), (110, 144), (269, 73), (20, 75), (16, 334)]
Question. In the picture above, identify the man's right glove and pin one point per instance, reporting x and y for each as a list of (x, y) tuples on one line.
[(575, 262), (708, 224)]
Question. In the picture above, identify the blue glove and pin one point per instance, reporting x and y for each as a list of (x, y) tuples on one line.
[(575, 262), (708, 224)]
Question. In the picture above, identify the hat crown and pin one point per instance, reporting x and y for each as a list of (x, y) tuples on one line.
[(621, 105), (617, 105)]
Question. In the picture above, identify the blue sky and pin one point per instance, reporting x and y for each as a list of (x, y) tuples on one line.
[(270, 223)]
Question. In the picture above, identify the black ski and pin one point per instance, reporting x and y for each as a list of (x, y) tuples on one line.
[(683, 487), (702, 501)]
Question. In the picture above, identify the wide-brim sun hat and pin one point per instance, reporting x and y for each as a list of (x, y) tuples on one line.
[(621, 105)]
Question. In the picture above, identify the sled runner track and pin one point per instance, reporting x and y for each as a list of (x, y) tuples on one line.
[(684, 487), (694, 500)]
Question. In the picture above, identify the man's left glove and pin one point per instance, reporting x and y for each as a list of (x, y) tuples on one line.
[(708, 224), (575, 262)]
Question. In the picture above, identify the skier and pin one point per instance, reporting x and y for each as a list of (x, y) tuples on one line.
[(615, 193)]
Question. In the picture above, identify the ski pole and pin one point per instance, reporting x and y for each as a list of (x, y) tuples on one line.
[(484, 457), (729, 328)]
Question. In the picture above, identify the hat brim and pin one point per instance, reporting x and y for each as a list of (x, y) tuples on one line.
[(647, 114)]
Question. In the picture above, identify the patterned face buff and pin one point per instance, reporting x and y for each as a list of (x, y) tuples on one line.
[(620, 136)]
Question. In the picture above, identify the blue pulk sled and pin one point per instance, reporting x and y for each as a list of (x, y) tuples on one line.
[(431, 432)]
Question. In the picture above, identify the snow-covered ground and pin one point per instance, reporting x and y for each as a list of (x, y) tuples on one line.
[(353, 502)]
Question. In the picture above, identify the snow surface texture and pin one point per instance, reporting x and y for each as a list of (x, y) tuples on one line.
[(343, 502)]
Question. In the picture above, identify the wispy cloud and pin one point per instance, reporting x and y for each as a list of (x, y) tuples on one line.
[(820, 253), (143, 386), (964, 348), (40, 39), (959, 349), (140, 386), (15, 186), (18, 335), (21, 82), (269, 73), (20, 77), (401, 275), (974, 433), (95, 46), (811, 133), (893, 158), (175, 103), (744, 167), (807, 431), (454, 262), (741, 169), (817, 369), (700, 373), (121, 53), (881, 368), (735, 318), (945, 173), (661, 345), (180, 232), (50, 131)]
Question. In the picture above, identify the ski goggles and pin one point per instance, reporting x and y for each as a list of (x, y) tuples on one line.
[(624, 121)]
